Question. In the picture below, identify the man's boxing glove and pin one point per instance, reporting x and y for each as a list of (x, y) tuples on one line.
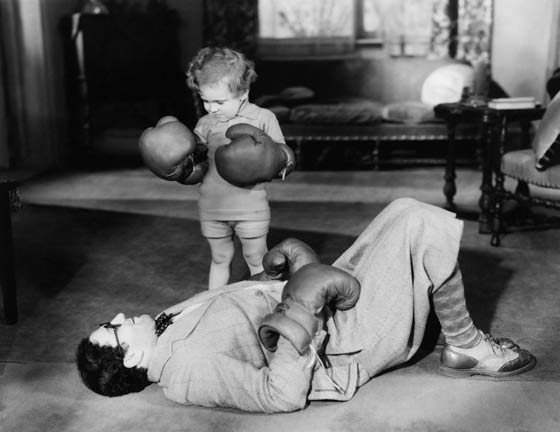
[(306, 293), (287, 257), (252, 157), (171, 152), (284, 259)]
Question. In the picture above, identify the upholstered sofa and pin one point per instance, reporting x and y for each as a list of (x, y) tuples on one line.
[(377, 102)]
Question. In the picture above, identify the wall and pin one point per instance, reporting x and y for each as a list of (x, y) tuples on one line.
[(380, 79), (191, 13), (36, 75), (524, 45)]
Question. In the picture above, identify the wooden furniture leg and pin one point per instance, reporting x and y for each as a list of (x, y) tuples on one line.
[(499, 192), (449, 187), (7, 277), (486, 188)]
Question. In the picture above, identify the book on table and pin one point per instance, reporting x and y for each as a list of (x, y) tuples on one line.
[(513, 103)]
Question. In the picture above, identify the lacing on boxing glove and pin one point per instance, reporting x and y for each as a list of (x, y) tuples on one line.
[(293, 322)]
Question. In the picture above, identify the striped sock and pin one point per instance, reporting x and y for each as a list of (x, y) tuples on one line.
[(451, 309)]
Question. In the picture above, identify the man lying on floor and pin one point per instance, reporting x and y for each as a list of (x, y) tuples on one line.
[(270, 345)]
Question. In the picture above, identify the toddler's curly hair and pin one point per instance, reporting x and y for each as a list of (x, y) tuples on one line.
[(213, 64)]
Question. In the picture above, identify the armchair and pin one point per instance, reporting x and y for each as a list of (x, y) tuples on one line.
[(537, 171)]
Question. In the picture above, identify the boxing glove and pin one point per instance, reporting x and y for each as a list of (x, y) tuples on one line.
[(287, 257), (171, 152), (305, 295), (252, 157)]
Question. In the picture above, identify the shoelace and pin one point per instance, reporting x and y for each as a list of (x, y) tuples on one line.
[(494, 342)]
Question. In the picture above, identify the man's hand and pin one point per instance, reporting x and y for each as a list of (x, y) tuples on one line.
[(284, 259), (305, 295)]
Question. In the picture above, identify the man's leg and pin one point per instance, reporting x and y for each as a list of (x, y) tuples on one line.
[(469, 351), (450, 308), (408, 252)]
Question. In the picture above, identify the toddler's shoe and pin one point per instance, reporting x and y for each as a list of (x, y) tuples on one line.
[(491, 357)]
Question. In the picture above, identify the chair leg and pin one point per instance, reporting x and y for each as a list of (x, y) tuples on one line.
[(497, 224), (496, 227), (524, 214)]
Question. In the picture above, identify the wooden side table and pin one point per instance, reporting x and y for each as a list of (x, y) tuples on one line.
[(9, 180), (493, 127)]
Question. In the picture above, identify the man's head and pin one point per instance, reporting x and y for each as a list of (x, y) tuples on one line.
[(113, 360)]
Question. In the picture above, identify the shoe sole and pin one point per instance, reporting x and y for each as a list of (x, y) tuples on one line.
[(466, 373)]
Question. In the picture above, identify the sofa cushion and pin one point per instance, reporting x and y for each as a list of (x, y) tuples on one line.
[(546, 142), (445, 84), (350, 112), (281, 112), (411, 112), (520, 164), (289, 97)]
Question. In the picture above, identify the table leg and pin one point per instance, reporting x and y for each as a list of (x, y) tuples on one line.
[(449, 187), (498, 194), (375, 154), (7, 277), (485, 201), (298, 153)]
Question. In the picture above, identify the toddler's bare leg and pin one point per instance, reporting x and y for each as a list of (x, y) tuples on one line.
[(222, 254), (253, 251)]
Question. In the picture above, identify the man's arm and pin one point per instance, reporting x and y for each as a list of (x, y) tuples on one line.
[(222, 381)]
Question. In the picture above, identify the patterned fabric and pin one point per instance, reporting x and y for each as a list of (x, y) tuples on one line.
[(444, 23), (162, 322), (545, 142), (551, 156), (520, 164), (451, 309), (474, 30), (355, 112)]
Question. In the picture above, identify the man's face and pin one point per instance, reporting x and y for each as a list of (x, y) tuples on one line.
[(219, 101), (135, 335)]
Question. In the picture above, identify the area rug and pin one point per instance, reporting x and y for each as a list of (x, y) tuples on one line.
[(77, 267)]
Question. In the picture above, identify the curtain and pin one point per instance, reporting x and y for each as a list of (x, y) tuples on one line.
[(458, 29), (4, 150), (474, 30), (232, 23), (407, 26), (444, 29)]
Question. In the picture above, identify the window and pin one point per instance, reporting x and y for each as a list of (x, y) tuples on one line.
[(323, 27), (315, 27), (306, 27), (369, 21), (284, 19)]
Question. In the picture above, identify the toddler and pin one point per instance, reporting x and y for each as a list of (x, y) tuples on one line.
[(222, 78)]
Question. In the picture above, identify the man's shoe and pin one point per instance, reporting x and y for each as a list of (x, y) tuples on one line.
[(491, 357)]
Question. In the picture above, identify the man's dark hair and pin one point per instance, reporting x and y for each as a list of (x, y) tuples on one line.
[(102, 370)]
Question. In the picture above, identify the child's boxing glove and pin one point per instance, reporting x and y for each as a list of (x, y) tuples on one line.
[(170, 151), (252, 157)]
